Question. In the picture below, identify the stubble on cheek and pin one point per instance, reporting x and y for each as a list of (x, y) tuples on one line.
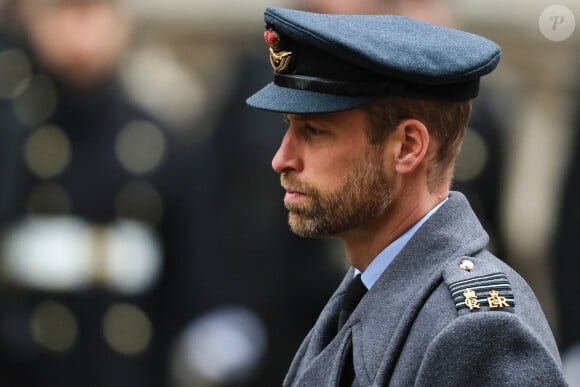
[(364, 195)]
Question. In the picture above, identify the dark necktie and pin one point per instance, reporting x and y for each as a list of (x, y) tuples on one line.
[(355, 291)]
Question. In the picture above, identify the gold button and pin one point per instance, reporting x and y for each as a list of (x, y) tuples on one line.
[(466, 264)]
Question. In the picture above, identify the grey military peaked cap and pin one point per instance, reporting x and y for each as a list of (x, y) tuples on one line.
[(326, 63)]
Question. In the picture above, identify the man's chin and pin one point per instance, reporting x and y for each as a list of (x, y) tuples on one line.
[(304, 226), (299, 225)]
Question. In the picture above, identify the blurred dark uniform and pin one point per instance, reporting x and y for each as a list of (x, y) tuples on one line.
[(567, 251), (89, 205), (480, 167)]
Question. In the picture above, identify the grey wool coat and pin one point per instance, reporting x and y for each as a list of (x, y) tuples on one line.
[(429, 322)]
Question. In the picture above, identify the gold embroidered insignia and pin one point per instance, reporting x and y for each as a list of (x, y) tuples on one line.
[(496, 301), (280, 60), (470, 299), (491, 290)]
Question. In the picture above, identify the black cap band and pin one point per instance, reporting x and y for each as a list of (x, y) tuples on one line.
[(455, 91)]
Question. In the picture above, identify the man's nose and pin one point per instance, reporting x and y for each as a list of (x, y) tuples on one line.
[(287, 157)]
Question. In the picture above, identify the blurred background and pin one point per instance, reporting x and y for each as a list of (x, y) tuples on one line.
[(143, 237)]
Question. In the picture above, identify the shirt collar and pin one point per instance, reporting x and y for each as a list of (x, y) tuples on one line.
[(385, 257)]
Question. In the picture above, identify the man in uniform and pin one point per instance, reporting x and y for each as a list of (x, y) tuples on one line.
[(377, 107), (91, 205)]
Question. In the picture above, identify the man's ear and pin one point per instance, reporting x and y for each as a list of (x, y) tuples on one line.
[(414, 142)]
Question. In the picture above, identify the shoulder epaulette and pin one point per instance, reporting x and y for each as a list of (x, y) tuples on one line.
[(476, 285)]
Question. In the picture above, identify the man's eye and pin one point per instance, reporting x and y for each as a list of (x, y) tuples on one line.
[(313, 131)]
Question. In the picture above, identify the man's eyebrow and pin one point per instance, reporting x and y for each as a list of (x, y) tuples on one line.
[(296, 117)]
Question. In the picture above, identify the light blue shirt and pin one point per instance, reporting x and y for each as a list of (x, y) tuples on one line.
[(382, 261)]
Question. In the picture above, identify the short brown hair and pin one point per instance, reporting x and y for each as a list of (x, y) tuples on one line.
[(445, 120)]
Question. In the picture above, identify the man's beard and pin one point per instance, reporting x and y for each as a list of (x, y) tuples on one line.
[(365, 195)]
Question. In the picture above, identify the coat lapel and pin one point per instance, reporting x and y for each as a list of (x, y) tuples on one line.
[(322, 342)]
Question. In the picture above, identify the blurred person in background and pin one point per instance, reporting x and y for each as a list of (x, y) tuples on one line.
[(566, 255), (89, 204)]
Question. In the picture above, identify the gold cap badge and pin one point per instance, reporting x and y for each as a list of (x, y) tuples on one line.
[(279, 58)]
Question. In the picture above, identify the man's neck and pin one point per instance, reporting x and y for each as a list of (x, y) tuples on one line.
[(364, 243)]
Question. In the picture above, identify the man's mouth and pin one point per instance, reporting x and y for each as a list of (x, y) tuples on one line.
[(296, 192), (293, 195)]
